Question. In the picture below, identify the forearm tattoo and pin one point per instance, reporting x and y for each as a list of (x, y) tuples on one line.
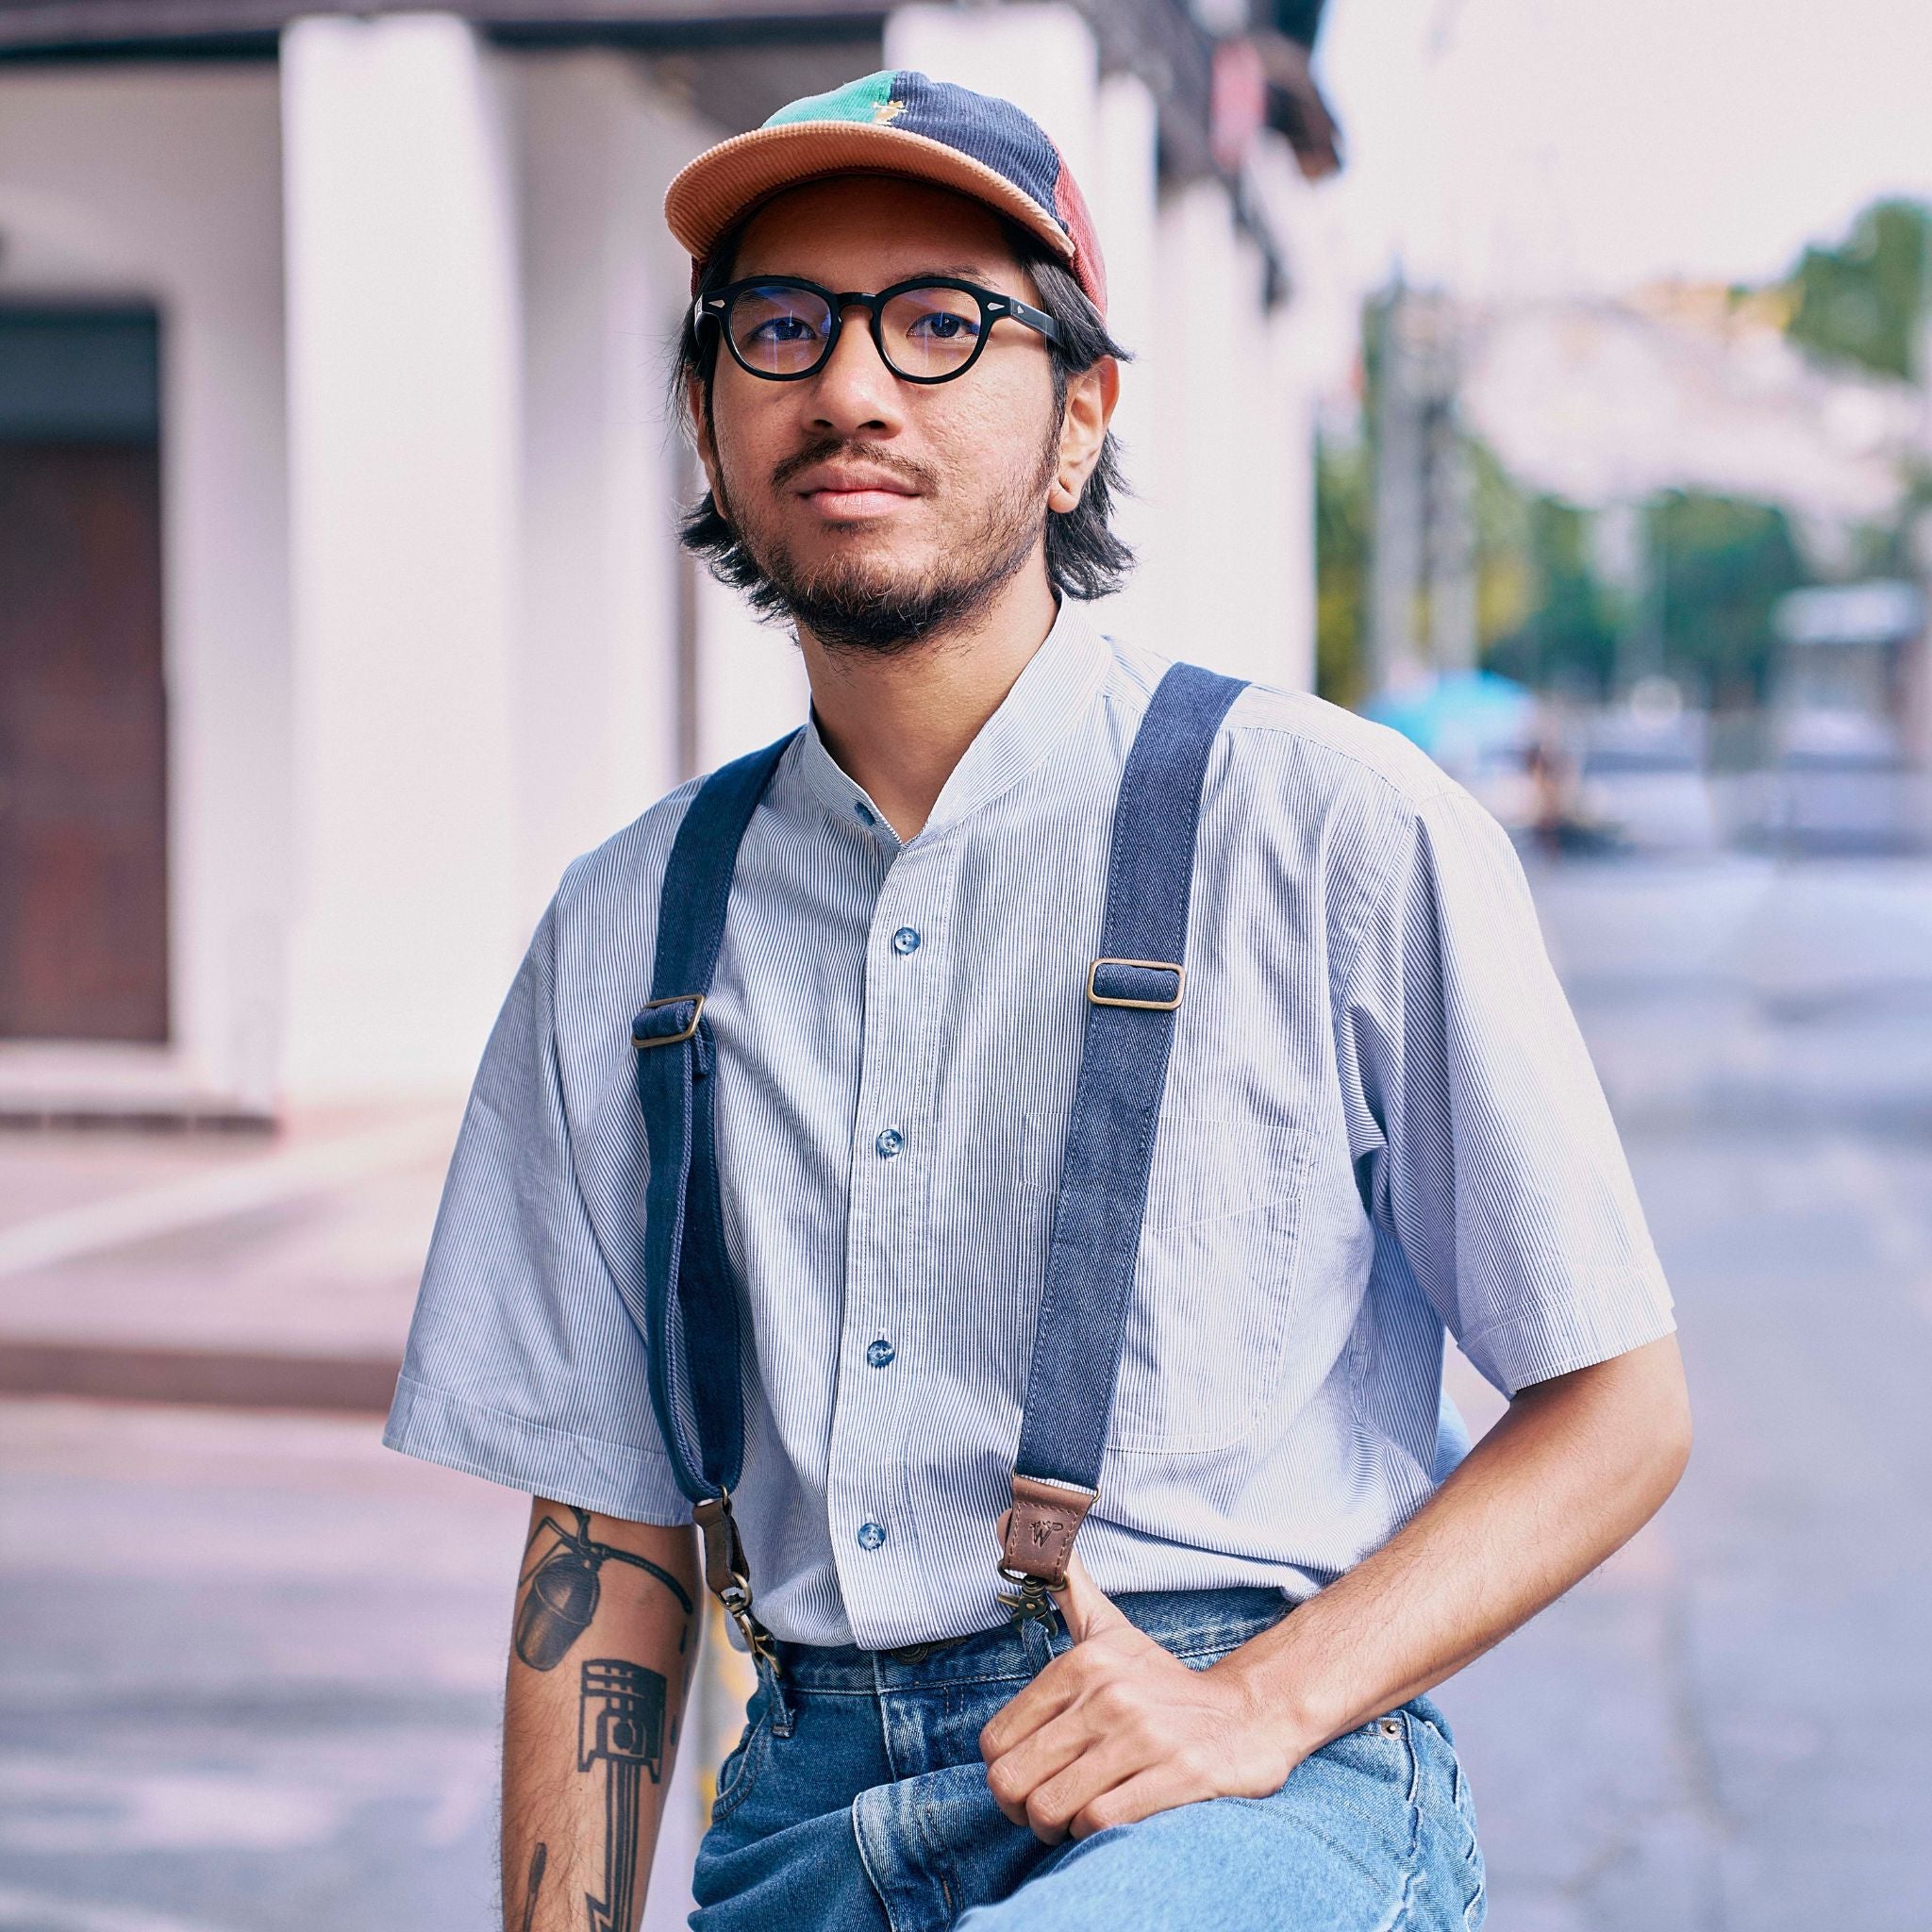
[(538, 1859), (561, 1590), (622, 1709), (620, 1726)]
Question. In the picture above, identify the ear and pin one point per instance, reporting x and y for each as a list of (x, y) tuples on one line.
[(1090, 399), (701, 430)]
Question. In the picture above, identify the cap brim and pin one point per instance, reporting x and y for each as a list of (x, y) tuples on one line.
[(710, 192)]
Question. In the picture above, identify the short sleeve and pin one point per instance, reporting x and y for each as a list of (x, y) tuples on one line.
[(1490, 1165), (522, 1363)]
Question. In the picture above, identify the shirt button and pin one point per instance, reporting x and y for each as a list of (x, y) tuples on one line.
[(880, 1352), (905, 940), (866, 815), (889, 1142), (871, 1535)]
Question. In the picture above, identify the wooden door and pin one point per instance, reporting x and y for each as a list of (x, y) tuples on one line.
[(83, 767)]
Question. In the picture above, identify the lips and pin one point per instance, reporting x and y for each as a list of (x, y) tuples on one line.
[(847, 490), (845, 477)]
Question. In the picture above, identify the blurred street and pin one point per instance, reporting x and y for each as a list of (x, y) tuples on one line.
[(254, 1660), (1693, 1737)]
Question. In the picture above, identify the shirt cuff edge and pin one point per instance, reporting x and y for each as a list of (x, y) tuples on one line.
[(618, 1479)]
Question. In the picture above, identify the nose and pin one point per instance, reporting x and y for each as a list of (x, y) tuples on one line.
[(854, 392)]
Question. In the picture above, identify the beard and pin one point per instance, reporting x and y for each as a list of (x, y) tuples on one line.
[(873, 604)]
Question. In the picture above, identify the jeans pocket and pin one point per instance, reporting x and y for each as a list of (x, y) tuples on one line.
[(1462, 1828), (740, 1771)]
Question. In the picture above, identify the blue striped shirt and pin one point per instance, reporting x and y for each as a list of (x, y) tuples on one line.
[(1379, 1120)]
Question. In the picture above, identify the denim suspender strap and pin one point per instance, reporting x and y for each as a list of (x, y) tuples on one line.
[(1133, 991), (689, 1321)]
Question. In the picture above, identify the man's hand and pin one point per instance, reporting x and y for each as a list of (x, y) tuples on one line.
[(1117, 1729)]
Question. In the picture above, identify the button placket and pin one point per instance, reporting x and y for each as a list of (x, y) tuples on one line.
[(886, 1238)]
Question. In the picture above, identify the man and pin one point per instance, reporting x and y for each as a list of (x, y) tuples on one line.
[(1024, 1228)]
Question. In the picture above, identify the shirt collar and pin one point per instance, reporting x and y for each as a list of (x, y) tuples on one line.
[(1046, 700)]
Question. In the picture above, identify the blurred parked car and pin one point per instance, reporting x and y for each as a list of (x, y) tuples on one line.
[(1644, 772)]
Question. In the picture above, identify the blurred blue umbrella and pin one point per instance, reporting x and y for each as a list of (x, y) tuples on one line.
[(1468, 712)]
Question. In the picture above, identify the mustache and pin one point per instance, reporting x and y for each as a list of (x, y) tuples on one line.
[(876, 454)]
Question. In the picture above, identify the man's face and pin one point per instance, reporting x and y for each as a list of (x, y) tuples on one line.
[(880, 508)]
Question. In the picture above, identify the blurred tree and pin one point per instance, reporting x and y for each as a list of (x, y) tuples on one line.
[(1864, 302), (1344, 522), (1505, 581), (1717, 564), (1566, 635)]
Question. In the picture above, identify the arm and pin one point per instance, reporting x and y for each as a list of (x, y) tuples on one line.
[(1571, 1472), (1117, 1729), (604, 1639)]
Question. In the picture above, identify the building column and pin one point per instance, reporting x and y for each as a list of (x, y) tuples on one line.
[(1201, 478), (403, 327), (604, 288), (1124, 196), (1294, 532), (1041, 58)]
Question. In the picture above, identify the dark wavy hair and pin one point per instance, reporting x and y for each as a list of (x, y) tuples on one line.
[(1084, 555)]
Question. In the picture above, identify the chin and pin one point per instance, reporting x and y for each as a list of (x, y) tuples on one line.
[(862, 567)]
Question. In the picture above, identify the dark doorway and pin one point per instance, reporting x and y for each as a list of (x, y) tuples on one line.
[(83, 716)]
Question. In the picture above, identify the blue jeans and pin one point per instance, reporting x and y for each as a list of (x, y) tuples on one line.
[(856, 1801)]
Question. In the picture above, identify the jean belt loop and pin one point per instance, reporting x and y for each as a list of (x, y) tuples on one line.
[(772, 1674)]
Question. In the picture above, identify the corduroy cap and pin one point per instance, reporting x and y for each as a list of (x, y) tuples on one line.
[(894, 123)]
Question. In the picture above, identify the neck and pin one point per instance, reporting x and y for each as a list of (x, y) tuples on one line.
[(898, 723)]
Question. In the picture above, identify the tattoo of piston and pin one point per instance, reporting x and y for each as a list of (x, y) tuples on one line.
[(621, 1726), (563, 1588)]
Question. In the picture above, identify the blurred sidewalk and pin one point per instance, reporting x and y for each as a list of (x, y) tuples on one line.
[(255, 1675), (242, 1268)]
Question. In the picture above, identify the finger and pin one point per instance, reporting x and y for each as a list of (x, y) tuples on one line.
[(1096, 1765), (1013, 1775), (1087, 1607), (1158, 1788), (1038, 1701)]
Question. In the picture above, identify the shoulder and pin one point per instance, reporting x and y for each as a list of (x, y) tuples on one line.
[(622, 875), (1332, 752), (1304, 750)]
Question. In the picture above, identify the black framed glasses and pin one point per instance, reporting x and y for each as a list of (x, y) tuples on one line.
[(931, 330)]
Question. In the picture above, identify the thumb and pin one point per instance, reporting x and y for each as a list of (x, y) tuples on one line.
[(1088, 1609)]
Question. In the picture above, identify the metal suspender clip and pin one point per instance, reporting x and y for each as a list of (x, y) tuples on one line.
[(1127, 984), (727, 1574), (641, 1039)]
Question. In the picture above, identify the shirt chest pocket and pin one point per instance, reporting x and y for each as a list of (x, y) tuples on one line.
[(1214, 1281)]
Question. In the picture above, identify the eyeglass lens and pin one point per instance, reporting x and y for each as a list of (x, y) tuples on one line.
[(925, 331)]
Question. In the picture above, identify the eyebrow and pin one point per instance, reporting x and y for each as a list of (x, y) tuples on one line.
[(965, 271)]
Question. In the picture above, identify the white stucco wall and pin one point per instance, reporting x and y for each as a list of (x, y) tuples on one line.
[(1124, 197), (163, 183), (405, 346), (604, 288)]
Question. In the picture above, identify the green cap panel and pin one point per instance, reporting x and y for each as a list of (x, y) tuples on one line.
[(857, 100)]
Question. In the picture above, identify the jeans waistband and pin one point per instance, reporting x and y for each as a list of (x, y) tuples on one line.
[(1182, 1621)]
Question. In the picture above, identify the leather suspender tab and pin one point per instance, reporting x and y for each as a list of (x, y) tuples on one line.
[(1040, 1531), (726, 1573)]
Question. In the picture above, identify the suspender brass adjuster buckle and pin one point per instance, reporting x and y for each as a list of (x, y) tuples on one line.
[(1130, 983), (640, 1038)]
